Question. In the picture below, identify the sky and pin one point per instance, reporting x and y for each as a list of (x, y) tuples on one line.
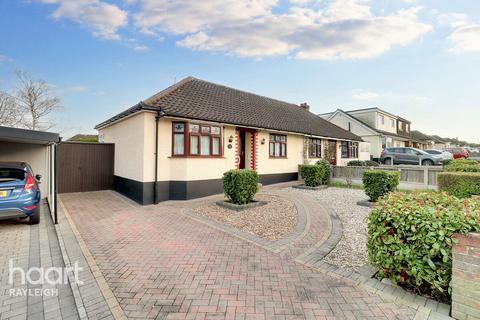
[(419, 59)]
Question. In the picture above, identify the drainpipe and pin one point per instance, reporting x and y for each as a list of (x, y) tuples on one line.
[(160, 114)]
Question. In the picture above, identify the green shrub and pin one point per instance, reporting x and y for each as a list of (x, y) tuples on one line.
[(312, 174), (360, 163), (462, 165), (380, 182), (459, 184), (370, 163), (240, 185), (462, 168), (409, 236), (326, 170), (446, 162), (356, 163)]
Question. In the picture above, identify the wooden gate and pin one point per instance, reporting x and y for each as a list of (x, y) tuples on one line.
[(84, 167)]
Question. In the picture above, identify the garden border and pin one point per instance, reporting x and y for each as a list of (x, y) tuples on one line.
[(274, 246)]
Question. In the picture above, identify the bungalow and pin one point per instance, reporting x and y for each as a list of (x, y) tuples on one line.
[(421, 140), (178, 143)]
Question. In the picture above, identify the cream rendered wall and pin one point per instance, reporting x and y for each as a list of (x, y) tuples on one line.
[(375, 145), (267, 165), (183, 168), (128, 136), (342, 121), (387, 125), (34, 154)]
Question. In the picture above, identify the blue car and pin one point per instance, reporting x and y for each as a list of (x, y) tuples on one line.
[(19, 192)]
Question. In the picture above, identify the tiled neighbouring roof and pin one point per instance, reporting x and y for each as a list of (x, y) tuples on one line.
[(420, 136), (198, 99)]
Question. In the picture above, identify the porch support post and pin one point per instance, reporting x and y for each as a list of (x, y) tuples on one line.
[(254, 134), (237, 148)]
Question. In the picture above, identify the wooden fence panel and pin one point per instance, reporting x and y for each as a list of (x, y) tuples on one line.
[(85, 167)]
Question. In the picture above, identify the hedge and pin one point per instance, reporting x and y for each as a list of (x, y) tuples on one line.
[(356, 163), (377, 183), (459, 184), (240, 185), (315, 174), (409, 236), (462, 165), (370, 163), (360, 163)]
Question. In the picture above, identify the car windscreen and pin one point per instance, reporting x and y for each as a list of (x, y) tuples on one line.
[(9, 174), (433, 151)]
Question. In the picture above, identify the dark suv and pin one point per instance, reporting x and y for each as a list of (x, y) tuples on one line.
[(402, 155), (19, 192)]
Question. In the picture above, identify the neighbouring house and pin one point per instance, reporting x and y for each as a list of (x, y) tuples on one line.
[(375, 126), (178, 143), (421, 140), (439, 142)]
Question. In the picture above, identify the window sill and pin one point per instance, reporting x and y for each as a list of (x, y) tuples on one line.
[(277, 157), (197, 157)]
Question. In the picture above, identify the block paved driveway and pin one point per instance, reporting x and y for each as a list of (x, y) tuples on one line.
[(32, 246), (161, 263)]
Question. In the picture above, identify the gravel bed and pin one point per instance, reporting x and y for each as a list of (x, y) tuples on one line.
[(272, 221), (351, 252)]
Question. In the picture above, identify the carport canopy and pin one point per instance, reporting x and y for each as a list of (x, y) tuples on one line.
[(38, 148), (8, 134)]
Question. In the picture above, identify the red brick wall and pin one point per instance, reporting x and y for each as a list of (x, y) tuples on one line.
[(466, 277)]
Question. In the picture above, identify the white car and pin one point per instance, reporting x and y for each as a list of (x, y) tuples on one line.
[(444, 154)]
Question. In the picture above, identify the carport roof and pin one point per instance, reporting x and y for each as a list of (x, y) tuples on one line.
[(27, 136)]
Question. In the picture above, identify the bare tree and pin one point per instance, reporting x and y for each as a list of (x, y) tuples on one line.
[(36, 99), (10, 115)]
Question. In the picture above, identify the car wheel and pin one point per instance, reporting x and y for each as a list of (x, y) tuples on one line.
[(35, 218), (388, 161), (427, 163)]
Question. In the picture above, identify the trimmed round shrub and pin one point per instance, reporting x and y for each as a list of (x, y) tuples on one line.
[(378, 183), (370, 163), (312, 174), (240, 185), (459, 184), (410, 236), (356, 163), (326, 170)]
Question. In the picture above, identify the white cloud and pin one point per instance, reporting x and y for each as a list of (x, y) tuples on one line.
[(465, 39), (140, 48), (191, 16), (360, 94), (102, 18), (342, 29), (453, 19)]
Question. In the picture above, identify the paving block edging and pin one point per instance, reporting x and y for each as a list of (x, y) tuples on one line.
[(115, 309)]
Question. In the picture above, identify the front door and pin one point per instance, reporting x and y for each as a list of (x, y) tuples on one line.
[(241, 164), (331, 152)]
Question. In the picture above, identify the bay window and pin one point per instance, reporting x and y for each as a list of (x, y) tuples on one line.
[(278, 146), (196, 140)]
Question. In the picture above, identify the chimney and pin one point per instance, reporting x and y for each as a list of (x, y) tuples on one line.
[(305, 106)]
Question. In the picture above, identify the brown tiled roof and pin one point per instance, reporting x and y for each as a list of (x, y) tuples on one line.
[(197, 99), (420, 136)]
